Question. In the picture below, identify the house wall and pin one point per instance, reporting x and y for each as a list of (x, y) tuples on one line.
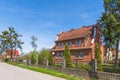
[(86, 58), (89, 54)]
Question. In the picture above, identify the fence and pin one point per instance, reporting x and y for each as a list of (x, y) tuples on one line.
[(87, 75)]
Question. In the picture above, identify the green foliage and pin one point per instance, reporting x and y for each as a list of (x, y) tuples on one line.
[(50, 59), (33, 42), (10, 40), (67, 56), (85, 66), (58, 65), (44, 55), (110, 25), (98, 57), (6, 60), (82, 66), (20, 59), (33, 56), (111, 69)]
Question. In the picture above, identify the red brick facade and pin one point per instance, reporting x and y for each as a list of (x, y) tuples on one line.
[(81, 43)]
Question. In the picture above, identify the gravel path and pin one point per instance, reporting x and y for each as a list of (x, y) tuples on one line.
[(9, 72)]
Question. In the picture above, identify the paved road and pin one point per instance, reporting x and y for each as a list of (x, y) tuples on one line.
[(9, 72)]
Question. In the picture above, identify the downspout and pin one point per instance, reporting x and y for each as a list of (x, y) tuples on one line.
[(92, 43)]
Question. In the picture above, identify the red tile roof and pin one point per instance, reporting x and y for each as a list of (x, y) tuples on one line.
[(14, 51), (75, 33)]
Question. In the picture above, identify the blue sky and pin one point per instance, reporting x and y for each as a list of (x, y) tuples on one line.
[(45, 18)]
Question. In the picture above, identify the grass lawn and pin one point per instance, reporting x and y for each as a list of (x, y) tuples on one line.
[(46, 71)]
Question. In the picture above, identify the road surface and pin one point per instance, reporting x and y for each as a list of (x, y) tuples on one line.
[(9, 72)]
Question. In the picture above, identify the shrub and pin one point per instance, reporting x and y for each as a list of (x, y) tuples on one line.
[(84, 66), (58, 65), (111, 69), (67, 56), (6, 60), (98, 57)]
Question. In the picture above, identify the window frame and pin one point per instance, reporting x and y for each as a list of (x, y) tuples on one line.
[(79, 55), (59, 54), (78, 42)]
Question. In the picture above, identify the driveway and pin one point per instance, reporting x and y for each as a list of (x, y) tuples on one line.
[(9, 72)]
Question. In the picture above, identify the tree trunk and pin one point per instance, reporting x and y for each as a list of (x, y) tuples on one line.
[(116, 57), (11, 55)]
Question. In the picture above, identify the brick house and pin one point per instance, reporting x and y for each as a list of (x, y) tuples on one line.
[(81, 42), (14, 55)]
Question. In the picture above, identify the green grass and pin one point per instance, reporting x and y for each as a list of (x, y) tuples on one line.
[(46, 71)]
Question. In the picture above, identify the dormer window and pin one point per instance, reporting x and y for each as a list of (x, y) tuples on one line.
[(78, 42), (66, 43), (70, 43), (60, 44)]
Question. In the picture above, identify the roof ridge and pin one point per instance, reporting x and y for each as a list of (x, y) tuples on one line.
[(72, 29)]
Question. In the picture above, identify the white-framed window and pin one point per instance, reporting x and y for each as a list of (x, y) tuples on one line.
[(79, 55), (66, 43), (76, 55), (59, 54), (78, 42), (70, 43), (60, 44)]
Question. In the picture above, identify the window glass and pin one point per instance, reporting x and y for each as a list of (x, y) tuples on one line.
[(66, 43), (59, 54), (70, 43), (58, 45), (62, 44), (78, 42), (75, 42), (81, 55), (76, 55)]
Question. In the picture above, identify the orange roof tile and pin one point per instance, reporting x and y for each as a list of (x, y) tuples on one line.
[(75, 33), (14, 51)]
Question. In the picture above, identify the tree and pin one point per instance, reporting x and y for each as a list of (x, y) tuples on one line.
[(10, 40), (33, 55), (67, 56), (33, 42), (45, 55), (98, 56), (110, 24)]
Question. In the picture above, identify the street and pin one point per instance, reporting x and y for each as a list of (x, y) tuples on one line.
[(9, 72)]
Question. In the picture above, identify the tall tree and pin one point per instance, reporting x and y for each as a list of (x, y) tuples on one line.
[(33, 42), (10, 40), (67, 56), (110, 25)]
